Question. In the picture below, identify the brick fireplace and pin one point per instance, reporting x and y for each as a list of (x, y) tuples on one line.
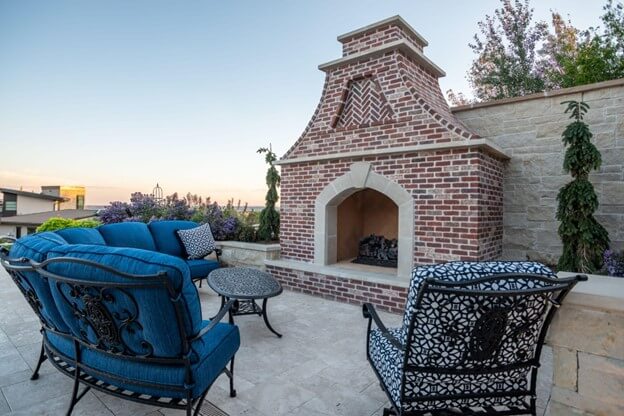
[(383, 155)]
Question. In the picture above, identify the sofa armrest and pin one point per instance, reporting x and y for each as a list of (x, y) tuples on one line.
[(369, 312), (215, 320)]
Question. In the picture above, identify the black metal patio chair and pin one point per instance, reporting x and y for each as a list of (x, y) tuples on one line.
[(471, 339)]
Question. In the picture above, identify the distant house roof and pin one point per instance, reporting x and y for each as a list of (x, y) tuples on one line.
[(32, 194), (41, 217)]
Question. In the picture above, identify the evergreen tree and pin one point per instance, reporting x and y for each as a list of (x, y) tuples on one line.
[(269, 217), (584, 239)]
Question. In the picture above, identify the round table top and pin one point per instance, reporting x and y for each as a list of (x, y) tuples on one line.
[(243, 283)]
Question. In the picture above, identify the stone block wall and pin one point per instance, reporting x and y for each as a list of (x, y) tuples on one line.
[(587, 339), (528, 129)]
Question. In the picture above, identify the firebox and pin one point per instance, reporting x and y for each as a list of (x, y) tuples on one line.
[(367, 225)]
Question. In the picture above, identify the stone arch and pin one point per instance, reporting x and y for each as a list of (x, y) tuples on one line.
[(361, 177)]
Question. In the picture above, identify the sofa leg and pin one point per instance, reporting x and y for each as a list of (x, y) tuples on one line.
[(232, 391), (74, 396), (200, 282), (42, 358), (388, 412), (200, 403)]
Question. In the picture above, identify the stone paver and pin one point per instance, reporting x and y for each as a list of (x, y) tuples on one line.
[(318, 368)]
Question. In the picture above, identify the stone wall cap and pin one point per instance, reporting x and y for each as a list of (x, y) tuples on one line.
[(249, 246), (598, 292), (396, 20), (400, 45), (545, 94)]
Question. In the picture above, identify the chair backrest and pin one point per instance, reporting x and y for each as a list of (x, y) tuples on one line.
[(34, 287), (124, 301), (473, 342), (458, 271)]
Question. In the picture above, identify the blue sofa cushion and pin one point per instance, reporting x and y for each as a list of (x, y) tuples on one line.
[(128, 234), (166, 237), (200, 268), (36, 247), (82, 236), (210, 354), (151, 306)]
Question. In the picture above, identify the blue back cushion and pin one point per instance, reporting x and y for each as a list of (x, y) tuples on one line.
[(166, 237), (82, 236), (36, 247), (128, 234), (151, 323)]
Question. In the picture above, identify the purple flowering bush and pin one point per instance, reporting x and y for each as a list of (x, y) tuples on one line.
[(226, 223), (614, 263)]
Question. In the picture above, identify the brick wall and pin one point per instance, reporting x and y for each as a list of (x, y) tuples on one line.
[(387, 297)]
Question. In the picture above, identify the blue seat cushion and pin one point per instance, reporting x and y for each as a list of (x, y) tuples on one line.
[(82, 236), (128, 234), (200, 268), (388, 361), (36, 247), (166, 237), (210, 354), (151, 308)]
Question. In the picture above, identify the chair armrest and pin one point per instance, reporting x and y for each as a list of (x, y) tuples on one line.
[(214, 321), (369, 312)]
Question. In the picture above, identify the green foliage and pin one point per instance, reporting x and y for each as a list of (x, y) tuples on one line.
[(58, 223), (584, 239), (516, 56), (269, 217)]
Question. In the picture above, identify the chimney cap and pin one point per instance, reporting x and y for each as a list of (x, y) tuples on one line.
[(394, 20)]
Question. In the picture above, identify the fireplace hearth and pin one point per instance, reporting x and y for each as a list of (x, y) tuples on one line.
[(376, 250)]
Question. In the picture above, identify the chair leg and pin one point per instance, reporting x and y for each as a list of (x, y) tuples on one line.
[(232, 391), (200, 403), (42, 358), (74, 397)]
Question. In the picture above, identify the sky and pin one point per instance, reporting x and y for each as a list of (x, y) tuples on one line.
[(120, 95)]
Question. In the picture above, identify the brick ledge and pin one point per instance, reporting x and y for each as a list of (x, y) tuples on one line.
[(484, 144), (342, 273)]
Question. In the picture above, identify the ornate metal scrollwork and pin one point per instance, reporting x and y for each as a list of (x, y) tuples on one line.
[(487, 335), (108, 318)]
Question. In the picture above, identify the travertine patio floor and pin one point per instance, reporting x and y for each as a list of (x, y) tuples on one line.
[(318, 368)]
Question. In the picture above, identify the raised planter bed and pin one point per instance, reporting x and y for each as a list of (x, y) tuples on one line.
[(241, 254)]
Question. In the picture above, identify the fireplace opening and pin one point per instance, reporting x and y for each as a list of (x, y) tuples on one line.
[(367, 229)]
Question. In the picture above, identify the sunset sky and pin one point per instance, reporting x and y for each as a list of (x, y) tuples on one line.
[(119, 95)]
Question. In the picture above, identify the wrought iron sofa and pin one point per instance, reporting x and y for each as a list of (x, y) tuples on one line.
[(471, 339), (125, 321)]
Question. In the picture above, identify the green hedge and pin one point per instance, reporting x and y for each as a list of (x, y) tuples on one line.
[(57, 223)]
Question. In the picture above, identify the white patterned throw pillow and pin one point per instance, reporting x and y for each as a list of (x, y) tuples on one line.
[(197, 241)]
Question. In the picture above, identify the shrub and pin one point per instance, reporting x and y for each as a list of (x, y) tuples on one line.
[(584, 239), (58, 223), (269, 217), (614, 263)]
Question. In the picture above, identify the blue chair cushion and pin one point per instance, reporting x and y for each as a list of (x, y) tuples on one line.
[(36, 247), (82, 236), (128, 234), (209, 355), (166, 237), (152, 307), (458, 271), (200, 268), (388, 361)]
